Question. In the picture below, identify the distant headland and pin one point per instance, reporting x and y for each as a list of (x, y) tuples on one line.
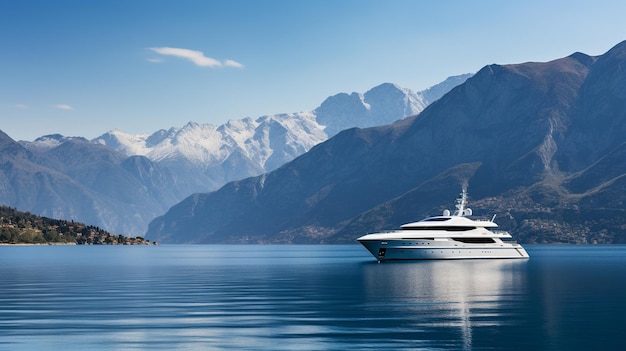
[(24, 228)]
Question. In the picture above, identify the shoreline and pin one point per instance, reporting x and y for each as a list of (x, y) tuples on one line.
[(74, 244), (33, 244)]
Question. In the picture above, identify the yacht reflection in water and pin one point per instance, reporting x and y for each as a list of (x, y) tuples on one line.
[(446, 300)]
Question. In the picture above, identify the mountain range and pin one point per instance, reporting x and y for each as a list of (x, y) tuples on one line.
[(121, 181), (541, 144), (209, 156)]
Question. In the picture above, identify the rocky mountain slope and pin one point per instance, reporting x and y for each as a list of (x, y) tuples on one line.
[(80, 180), (542, 144)]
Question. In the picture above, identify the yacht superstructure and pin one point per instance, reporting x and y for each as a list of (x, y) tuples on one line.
[(450, 236)]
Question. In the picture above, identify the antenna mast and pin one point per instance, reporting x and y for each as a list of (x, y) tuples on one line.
[(460, 203)]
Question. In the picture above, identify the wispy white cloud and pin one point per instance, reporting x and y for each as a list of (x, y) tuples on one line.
[(63, 107), (22, 106), (197, 57), (231, 63), (154, 60)]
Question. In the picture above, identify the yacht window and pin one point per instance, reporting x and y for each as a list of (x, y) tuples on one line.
[(475, 240), (446, 228), (436, 219), (458, 229)]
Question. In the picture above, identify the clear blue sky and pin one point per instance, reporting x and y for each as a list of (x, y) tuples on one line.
[(82, 68)]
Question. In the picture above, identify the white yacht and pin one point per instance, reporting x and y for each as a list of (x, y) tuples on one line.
[(444, 237)]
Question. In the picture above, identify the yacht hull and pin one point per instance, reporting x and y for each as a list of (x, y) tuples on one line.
[(416, 250)]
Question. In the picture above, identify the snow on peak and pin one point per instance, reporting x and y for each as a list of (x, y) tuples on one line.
[(206, 145), (48, 142), (245, 147), (128, 144)]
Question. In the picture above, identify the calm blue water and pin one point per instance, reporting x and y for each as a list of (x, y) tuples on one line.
[(308, 298)]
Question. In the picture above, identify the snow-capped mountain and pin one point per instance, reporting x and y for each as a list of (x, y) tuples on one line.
[(121, 181), (48, 142), (234, 150), (543, 144), (207, 144), (381, 105), (248, 147)]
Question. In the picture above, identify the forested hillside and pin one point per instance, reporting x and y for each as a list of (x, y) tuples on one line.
[(25, 228)]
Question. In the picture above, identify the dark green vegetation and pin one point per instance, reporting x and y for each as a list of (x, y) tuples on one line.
[(25, 228)]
